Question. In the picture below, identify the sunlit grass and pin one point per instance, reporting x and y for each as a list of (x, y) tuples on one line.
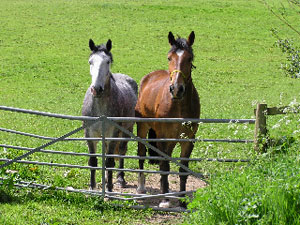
[(44, 66)]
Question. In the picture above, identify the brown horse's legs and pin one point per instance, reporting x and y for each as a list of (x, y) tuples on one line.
[(142, 131), (165, 166), (92, 162), (186, 150), (164, 184)]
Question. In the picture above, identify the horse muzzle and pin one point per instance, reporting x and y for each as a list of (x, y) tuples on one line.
[(97, 91), (177, 92)]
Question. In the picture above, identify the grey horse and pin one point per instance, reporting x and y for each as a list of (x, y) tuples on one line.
[(112, 95)]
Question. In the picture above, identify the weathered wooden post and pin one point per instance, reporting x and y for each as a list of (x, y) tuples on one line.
[(260, 128)]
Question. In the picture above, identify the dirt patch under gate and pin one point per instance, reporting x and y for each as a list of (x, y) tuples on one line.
[(153, 187)]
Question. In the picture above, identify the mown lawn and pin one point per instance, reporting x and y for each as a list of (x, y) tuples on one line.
[(44, 66)]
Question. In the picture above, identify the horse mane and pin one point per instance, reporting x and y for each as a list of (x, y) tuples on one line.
[(181, 43), (102, 48)]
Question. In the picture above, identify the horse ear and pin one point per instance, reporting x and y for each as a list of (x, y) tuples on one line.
[(171, 39), (92, 45), (108, 45), (191, 39)]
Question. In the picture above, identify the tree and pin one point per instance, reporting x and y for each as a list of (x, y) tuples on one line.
[(287, 45)]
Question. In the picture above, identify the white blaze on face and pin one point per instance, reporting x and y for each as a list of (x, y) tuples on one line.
[(179, 52), (99, 69)]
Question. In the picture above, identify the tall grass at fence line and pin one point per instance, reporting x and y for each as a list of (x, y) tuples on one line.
[(267, 192)]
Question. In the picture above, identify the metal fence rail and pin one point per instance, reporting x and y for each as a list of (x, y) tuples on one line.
[(96, 168), (126, 156), (129, 139), (129, 119)]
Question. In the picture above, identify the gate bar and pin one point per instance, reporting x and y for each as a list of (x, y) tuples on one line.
[(129, 139), (97, 168), (129, 119), (125, 156)]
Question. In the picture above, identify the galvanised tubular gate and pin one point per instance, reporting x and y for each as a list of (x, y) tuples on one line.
[(114, 120)]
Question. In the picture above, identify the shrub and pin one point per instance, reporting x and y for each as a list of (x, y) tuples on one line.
[(292, 65)]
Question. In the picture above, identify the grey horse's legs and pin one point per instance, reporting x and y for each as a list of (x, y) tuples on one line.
[(122, 151), (110, 163), (92, 162)]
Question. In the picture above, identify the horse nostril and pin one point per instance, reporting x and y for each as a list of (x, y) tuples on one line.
[(96, 90), (181, 89)]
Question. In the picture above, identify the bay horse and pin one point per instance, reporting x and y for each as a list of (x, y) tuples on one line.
[(109, 94), (169, 94)]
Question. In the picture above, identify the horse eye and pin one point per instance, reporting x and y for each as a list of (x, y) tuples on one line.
[(169, 59), (108, 62)]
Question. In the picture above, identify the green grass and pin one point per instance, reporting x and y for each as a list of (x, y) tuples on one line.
[(44, 66), (51, 207)]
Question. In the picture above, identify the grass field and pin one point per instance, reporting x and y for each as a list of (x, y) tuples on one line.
[(44, 66)]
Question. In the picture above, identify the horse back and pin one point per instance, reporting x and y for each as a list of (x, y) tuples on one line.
[(119, 101), (124, 82), (125, 94)]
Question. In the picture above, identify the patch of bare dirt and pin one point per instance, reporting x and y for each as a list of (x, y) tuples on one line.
[(153, 187), (165, 218)]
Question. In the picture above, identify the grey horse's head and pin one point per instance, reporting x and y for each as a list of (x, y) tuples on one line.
[(100, 61)]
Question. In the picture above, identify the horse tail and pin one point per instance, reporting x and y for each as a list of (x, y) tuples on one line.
[(151, 152)]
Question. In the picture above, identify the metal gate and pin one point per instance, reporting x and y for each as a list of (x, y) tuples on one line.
[(114, 121)]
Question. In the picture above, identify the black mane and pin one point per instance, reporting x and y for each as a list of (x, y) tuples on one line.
[(182, 44)]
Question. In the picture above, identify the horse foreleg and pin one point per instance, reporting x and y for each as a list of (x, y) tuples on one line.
[(92, 162), (164, 165), (186, 150), (142, 133), (110, 163), (122, 151)]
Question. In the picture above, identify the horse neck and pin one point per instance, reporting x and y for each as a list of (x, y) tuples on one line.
[(108, 83), (189, 88)]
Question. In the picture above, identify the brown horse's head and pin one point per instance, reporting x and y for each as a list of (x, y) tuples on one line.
[(180, 64)]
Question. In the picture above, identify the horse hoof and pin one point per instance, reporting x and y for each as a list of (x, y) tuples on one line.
[(92, 188), (183, 205), (109, 188), (141, 191), (164, 204), (121, 184)]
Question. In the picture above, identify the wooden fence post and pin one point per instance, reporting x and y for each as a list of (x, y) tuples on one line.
[(260, 128)]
